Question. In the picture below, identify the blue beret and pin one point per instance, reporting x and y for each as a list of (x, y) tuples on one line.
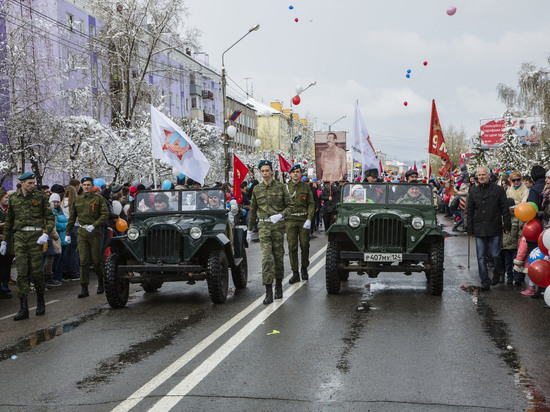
[(27, 175), (87, 179), (265, 163), (295, 166)]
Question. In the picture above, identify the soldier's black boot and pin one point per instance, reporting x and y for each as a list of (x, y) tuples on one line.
[(100, 288), (40, 304), (84, 292), (23, 309), (295, 277), (268, 294), (278, 288), (305, 276)]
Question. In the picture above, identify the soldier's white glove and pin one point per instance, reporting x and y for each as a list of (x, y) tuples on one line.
[(42, 239), (276, 218), (3, 248), (67, 239), (307, 224), (90, 228), (248, 237)]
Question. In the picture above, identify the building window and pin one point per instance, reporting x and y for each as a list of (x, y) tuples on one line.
[(170, 99), (186, 105), (94, 74), (71, 61), (70, 21), (92, 30)]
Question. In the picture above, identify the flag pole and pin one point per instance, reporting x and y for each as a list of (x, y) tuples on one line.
[(154, 169)]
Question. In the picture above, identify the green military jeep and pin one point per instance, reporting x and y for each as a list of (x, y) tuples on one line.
[(385, 227), (177, 235)]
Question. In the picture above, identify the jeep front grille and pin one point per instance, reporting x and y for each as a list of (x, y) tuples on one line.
[(163, 244), (385, 233)]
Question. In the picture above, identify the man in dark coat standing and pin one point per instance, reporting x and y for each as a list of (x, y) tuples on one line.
[(488, 215)]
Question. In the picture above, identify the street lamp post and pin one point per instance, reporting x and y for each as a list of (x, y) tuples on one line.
[(224, 95), (336, 122), (292, 120)]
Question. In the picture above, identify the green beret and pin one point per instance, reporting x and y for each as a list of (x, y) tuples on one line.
[(265, 163), (87, 179), (295, 166), (27, 175)]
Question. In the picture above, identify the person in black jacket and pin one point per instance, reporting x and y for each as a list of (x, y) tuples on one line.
[(488, 215), (330, 195)]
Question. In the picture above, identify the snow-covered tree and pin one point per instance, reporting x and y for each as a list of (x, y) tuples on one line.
[(511, 154)]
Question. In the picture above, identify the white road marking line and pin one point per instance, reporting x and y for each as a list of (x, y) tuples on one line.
[(30, 309), (158, 380), (194, 378)]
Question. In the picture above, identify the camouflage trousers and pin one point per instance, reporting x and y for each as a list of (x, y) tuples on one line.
[(90, 243), (272, 238), (28, 260), (295, 233)]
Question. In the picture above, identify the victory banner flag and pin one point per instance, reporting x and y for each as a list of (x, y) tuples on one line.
[(437, 144), (361, 147), (239, 174), (172, 145), (285, 166)]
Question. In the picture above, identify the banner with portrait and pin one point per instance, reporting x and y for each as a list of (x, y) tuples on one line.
[(526, 128), (330, 156)]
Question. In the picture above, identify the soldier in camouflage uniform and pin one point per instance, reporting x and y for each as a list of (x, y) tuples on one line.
[(298, 224), (91, 211), (28, 222), (270, 203)]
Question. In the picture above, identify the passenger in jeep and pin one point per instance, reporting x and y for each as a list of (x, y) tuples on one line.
[(413, 197), (161, 202)]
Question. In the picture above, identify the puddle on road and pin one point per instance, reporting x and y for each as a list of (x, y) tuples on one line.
[(498, 332), (45, 335), (355, 330), (137, 352)]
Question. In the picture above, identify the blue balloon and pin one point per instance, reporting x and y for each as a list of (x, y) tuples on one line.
[(167, 185), (408, 71), (508, 172), (290, 7), (408, 76), (99, 182), (244, 212), (535, 254), (315, 179), (181, 176)]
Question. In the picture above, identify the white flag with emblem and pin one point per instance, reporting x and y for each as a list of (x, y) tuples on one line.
[(361, 147), (172, 145)]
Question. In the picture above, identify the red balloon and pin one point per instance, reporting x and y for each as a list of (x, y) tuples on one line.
[(296, 100), (406, 103), (532, 230), (425, 63), (441, 172), (423, 166), (542, 248), (296, 19), (292, 160), (539, 273), (305, 162), (227, 197)]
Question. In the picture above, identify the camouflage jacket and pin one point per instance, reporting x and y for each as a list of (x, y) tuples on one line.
[(31, 210), (90, 209), (269, 200), (304, 204)]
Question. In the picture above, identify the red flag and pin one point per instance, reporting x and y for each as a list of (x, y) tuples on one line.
[(414, 168), (285, 166), (380, 165), (239, 173), (437, 144)]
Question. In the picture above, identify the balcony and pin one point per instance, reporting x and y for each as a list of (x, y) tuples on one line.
[(209, 118), (195, 89), (207, 95)]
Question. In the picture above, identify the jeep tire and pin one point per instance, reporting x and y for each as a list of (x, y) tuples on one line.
[(217, 276), (117, 288), (435, 278), (240, 273), (332, 275)]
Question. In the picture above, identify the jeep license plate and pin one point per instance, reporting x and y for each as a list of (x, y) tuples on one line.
[(383, 257)]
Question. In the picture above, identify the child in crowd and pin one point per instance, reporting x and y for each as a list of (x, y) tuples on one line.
[(521, 266), (510, 243)]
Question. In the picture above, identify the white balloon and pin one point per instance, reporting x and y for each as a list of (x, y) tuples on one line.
[(257, 142), (117, 207), (310, 173), (126, 208), (546, 239), (299, 89), (547, 296), (232, 131)]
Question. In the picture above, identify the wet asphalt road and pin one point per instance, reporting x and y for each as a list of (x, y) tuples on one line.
[(381, 344)]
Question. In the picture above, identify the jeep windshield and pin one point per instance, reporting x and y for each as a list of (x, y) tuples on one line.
[(174, 201), (388, 193)]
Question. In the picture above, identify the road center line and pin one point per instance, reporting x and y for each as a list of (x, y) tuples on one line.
[(30, 309), (194, 378), (173, 368)]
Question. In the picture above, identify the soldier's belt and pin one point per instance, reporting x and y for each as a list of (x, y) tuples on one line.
[(298, 214), (269, 220), (30, 229)]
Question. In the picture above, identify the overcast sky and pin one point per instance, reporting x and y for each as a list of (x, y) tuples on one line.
[(361, 50)]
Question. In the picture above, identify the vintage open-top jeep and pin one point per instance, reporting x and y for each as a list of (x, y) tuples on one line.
[(177, 235), (385, 227)]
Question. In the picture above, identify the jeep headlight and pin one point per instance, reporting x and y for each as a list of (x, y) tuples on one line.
[(417, 222), (133, 233), (195, 232), (354, 221)]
